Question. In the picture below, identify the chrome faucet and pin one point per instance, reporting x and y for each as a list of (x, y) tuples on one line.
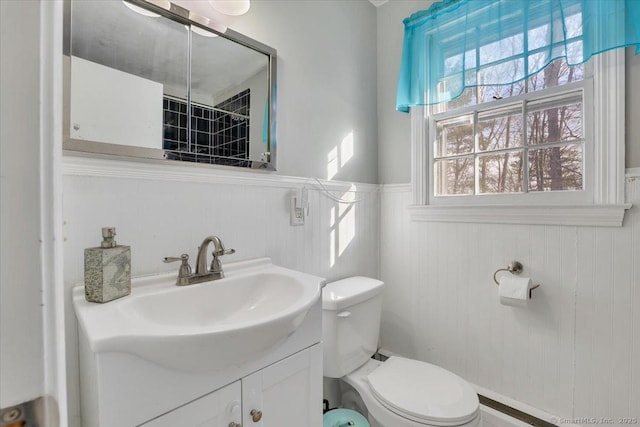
[(202, 274)]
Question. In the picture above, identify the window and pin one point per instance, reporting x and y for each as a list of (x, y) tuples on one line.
[(525, 137), (528, 136), (517, 115), (509, 145)]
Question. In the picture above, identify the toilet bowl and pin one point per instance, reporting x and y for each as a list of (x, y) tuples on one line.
[(399, 392)]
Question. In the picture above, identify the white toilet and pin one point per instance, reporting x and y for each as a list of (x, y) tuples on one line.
[(398, 392)]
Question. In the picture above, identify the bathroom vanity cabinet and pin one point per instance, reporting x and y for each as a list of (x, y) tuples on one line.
[(217, 409), (289, 392), (119, 389)]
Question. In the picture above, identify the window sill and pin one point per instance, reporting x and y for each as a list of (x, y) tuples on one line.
[(575, 215)]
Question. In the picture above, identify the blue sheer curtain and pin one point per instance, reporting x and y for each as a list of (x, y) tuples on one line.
[(457, 44)]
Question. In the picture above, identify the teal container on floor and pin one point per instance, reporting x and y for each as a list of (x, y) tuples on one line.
[(344, 418)]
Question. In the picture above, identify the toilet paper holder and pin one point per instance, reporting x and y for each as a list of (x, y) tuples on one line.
[(514, 267)]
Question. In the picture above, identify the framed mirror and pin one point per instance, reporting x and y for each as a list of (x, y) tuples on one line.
[(149, 79)]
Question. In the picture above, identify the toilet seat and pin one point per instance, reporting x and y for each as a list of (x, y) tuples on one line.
[(423, 392)]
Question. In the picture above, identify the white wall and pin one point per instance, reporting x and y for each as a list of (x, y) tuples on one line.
[(31, 326), (394, 135), (326, 81), (394, 130), (21, 330), (574, 352)]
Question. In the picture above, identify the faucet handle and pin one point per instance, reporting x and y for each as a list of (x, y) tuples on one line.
[(220, 250), (216, 264), (184, 272), (169, 259)]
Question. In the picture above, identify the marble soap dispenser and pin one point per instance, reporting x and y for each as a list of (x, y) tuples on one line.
[(107, 269)]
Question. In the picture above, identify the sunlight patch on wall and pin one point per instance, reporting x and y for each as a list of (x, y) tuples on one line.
[(342, 224), (347, 223), (332, 237), (346, 149), (332, 163), (340, 155)]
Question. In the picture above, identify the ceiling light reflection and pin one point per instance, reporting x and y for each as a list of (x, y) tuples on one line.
[(231, 7)]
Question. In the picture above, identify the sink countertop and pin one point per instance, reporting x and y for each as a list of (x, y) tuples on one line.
[(203, 326)]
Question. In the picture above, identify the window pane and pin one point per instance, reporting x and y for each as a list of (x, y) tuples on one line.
[(454, 176), (500, 131), (539, 37), (575, 54), (556, 168), (501, 72), (501, 173), (557, 73), (454, 136), (557, 124), (501, 49), (573, 25), (453, 65), (468, 97), (449, 87)]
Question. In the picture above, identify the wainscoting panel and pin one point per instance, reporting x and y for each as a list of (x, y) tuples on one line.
[(574, 352)]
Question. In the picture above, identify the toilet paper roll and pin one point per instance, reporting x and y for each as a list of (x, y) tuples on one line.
[(514, 290)]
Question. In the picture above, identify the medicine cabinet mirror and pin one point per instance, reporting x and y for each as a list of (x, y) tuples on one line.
[(150, 79)]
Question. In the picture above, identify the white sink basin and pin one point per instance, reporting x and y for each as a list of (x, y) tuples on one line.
[(203, 327)]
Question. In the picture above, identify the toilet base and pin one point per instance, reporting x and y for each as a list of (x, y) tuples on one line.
[(352, 400)]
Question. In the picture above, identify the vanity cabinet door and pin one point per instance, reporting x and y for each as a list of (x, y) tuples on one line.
[(287, 393), (218, 409)]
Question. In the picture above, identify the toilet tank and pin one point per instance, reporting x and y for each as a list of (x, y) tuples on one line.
[(351, 311)]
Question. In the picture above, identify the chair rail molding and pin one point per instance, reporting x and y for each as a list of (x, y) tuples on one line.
[(150, 170)]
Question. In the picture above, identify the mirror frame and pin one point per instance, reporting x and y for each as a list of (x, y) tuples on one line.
[(179, 14)]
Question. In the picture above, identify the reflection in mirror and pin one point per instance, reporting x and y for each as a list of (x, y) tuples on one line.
[(228, 104), (122, 65), (146, 82)]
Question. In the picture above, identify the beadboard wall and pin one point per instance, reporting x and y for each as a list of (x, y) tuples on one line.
[(573, 353), (168, 211)]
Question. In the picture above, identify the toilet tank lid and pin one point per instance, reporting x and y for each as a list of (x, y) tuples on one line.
[(349, 291)]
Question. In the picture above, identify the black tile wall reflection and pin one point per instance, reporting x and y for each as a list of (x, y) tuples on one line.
[(220, 137)]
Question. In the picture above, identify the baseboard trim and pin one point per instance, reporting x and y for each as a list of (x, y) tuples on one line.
[(513, 412)]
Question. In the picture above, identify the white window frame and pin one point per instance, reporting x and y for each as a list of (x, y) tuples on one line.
[(583, 88), (601, 203)]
